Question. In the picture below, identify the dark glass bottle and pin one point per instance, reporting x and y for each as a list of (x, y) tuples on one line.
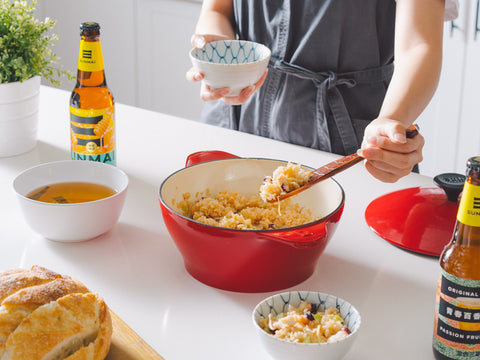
[(92, 111), (457, 310)]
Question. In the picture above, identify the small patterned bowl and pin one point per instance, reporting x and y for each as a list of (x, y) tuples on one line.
[(235, 64), (283, 349)]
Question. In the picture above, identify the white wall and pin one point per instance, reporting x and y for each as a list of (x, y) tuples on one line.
[(164, 29), (116, 32)]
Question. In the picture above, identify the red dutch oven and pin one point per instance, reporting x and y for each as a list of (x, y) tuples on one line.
[(418, 219), (246, 260)]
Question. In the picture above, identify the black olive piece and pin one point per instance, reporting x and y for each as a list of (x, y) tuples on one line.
[(313, 308), (310, 316)]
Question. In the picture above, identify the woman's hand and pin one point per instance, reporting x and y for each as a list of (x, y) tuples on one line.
[(208, 94), (389, 154)]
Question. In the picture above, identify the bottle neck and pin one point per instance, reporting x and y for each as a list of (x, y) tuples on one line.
[(467, 229), (91, 70), (466, 235), (91, 78)]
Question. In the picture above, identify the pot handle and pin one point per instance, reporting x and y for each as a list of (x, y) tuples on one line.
[(299, 239), (451, 183), (208, 155)]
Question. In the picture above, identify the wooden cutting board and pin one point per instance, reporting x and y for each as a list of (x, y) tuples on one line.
[(127, 345)]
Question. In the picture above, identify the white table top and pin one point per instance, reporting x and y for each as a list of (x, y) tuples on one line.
[(139, 272)]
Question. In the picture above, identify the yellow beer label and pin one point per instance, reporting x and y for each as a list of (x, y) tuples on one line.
[(93, 134), (90, 56), (469, 208)]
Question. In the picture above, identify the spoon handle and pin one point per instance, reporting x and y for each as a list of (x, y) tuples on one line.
[(345, 162), (334, 167)]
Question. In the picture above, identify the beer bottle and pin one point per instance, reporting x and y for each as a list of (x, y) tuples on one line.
[(457, 310), (92, 115)]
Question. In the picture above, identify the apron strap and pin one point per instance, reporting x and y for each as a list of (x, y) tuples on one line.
[(330, 98)]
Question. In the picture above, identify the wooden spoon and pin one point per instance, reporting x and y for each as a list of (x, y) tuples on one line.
[(333, 168)]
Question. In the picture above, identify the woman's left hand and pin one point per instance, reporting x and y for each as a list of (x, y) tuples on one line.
[(389, 154), (208, 94)]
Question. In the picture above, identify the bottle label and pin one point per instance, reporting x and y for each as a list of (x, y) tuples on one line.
[(93, 135), (90, 57), (469, 208), (457, 317)]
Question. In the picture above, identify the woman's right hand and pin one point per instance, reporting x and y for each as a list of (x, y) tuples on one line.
[(208, 94)]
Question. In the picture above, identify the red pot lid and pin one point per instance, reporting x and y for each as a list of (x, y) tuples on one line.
[(420, 219)]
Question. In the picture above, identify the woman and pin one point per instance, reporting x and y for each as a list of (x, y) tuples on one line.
[(331, 83)]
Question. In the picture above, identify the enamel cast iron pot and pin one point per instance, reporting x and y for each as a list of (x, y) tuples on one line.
[(246, 260)]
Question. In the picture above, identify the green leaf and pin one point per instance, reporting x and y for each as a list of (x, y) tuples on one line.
[(26, 44)]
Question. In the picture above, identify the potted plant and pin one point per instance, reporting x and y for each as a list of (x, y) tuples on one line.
[(26, 56)]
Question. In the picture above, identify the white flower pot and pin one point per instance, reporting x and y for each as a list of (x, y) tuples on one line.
[(19, 116)]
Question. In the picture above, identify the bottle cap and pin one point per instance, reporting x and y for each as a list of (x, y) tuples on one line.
[(474, 163), (89, 26)]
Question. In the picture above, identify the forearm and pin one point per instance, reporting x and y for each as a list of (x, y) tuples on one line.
[(418, 59), (413, 84), (216, 18)]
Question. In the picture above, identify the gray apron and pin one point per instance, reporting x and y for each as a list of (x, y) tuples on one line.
[(331, 64)]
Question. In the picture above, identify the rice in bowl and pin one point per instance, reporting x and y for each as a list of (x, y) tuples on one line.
[(305, 324), (341, 322)]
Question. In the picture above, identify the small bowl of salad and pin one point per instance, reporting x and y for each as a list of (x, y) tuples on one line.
[(306, 325)]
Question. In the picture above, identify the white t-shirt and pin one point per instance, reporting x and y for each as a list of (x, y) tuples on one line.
[(451, 9)]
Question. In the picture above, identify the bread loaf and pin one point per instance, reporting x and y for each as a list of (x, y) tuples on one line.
[(48, 316)]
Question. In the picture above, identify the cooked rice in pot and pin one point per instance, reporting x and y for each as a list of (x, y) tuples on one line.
[(283, 180), (235, 211)]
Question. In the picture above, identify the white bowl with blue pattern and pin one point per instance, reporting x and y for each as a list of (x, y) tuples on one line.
[(235, 64), (283, 349)]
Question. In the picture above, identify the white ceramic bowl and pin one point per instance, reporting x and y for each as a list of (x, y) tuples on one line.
[(235, 64), (283, 349), (71, 222)]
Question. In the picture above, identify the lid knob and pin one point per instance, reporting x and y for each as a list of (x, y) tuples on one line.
[(451, 183)]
